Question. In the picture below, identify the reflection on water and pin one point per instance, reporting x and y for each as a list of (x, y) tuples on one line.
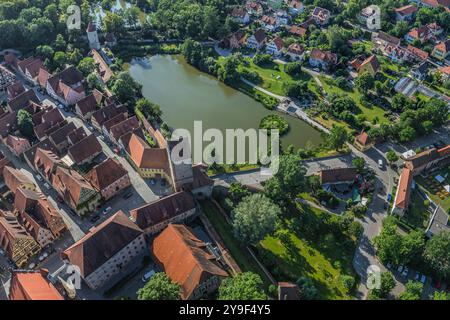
[(186, 95)]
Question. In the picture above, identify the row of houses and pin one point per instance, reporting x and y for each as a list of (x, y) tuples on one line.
[(32, 224)]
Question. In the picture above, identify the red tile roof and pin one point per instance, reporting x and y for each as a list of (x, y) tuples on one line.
[(403, 189), (85, 149), (185, 258), (406, 10), (338, 175), (14, 178), (145, 157), (32, 285), (106, 173)]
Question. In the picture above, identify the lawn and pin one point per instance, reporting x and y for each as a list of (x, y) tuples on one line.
[(238, 252), (431, 187), (323, 258), (370, 113), (273, 76), (418, 215)]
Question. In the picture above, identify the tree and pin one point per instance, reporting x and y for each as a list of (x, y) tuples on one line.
[(296, 89), (228, 69), (337, 137), (440, 295), (437, 254), (86, 66), (254, 217), (237, 192), (25, 122), (125, 88), (359, 163), (288, 182), (293, 68), (407, 134), (413, 291), (308, 290), (242, 286), (150, 110), (112, 22), (59, 59), (348, 282), (94, 82), (45, 52), (60, 43), (387, 283), (391, 156), (365, 82), (159, 287), (262, 59)]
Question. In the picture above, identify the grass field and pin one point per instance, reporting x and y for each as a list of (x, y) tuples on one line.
[(370, 113), (295, 255), (273, 76)]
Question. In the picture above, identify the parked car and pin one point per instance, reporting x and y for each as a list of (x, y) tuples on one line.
[(417, 276), (94, 218), (405, 272), (38, 177), (128, 195), (389, 265), (47, 186), (31, 265), (152, 182), (147, 276), (423, 279), (2, 253), (380, 163), (107, 210), (400, 268)]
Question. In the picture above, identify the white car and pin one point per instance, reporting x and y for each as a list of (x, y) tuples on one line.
[(47, 186), (107, 210), (400, 268), (380, 163), (2, 252), (102, 137), (31, 265), (38, 177)]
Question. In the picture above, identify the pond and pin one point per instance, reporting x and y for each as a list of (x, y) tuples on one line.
[(186, 95)]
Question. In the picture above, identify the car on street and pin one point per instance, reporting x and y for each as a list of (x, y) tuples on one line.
[(94, 218), (152, 182), (102, 137), (380, 163), (47, 186), (107, 210), (400, 268), (423, 279), (389, 266), (389, 197), (38, 177), (417, 276), (148, 275), (2, 252), (31, 265)]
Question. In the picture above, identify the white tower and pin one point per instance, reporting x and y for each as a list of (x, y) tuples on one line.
[(91, 31)]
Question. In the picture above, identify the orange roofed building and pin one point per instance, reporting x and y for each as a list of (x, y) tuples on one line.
[(403, 193), (187, 261), (32, 285)]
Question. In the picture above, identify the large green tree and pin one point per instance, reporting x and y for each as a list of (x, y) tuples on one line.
[(437, 254), (25, 122), (159, 287), (337, 137), (413, 291), (243, 286), (254, 217)]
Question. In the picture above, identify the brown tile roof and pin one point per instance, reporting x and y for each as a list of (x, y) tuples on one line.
[(288, 291), (11, 232), (422, 55), (44, 144), (278, 43), (84, 149), (123, 127), (388, 38), (34, 206), (33, 68), (337, 175), (260, 36), (70, 185), (15, 89), (108, 112), (45, 161), (363, 138), (106, 173), (115, 120), (422, 158), (373, 61), (403, 189), (406, 10), (43, 77), (326, 56), (104, 70), (76, 135), (145, 157), (8, 124), (298, 30), (60, 135), (102, 243), (14, 178), (201, 177), (87, 104), (4, 161), (17, 143), (443, 46), (162, 209), (32, 285), (239, 12), (295, 48), (23, 100), (185, 258)]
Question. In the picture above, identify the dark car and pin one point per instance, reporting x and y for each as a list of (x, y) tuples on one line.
[(128, 195), (95, 218)]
